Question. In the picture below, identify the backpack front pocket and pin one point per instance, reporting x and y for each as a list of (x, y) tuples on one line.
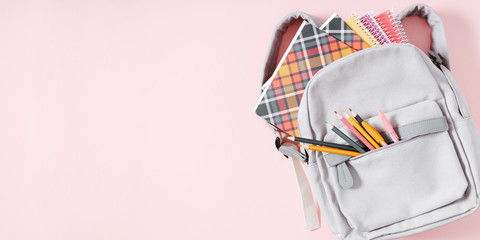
[(404, 179)]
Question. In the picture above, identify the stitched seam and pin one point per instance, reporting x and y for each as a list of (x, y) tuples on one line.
[(337, 162), (435, 130), (423, 121), (398, 144), (416, 134), (431, 130)]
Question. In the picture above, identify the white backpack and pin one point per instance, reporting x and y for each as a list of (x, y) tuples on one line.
[(428, 179)]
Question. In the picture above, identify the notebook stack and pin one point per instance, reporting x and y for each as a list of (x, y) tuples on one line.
[(311, 50)]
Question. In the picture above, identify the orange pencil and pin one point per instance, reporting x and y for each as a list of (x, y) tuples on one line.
[(370, 130), (330, 150), (361, 130)]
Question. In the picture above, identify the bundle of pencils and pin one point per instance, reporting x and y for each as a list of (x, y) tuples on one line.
[(367, 134)]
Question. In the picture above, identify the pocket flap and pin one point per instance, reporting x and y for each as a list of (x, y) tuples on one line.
[(410, 130)]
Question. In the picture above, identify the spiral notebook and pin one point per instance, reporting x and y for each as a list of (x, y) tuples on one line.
[(356, 25), (392, 27), (337, 28), (311, 50), (371, 24)]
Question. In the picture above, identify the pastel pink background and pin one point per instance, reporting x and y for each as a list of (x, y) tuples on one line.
[(132, 119)]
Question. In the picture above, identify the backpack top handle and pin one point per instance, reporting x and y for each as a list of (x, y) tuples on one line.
[(439, 39)]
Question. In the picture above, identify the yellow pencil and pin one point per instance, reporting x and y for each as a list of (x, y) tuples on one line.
[(330, 150), (361, 130), (374, 133), (371, 130)]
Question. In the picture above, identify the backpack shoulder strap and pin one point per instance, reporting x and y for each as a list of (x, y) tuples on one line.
[(312, 218), (439, 39)]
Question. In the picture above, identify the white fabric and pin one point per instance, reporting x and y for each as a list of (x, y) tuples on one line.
[(422, 182), (312, 219)]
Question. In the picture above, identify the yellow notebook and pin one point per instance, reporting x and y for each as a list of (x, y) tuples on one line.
[(356, 25)]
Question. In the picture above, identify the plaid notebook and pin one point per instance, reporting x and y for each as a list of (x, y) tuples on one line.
[(337, 28), (311, 50)]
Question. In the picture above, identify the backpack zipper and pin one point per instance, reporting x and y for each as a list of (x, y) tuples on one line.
[(435, 57)]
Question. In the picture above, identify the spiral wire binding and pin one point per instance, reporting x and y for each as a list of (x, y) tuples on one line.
[(362, 27), (401, 30), (397, 27), (376, 32)]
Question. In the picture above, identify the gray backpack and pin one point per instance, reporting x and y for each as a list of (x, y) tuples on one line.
[(428, 179)]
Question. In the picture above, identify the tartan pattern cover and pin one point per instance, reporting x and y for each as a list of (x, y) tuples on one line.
[(312, 50), (337, 28)]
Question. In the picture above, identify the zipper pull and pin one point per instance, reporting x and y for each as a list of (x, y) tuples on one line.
[(435, 58)]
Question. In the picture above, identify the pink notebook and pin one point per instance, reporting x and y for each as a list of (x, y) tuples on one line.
[(371, 24), (392, 27)]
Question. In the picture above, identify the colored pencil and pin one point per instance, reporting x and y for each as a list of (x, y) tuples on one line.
[(354, 131), (356, 116), (374, 133), (345, 137), (330, 150), (370, 130), (361, 130), (388, 126), (321, 143)]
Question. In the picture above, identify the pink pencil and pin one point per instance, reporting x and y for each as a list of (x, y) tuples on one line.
[(359, 136), (388, 126)]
